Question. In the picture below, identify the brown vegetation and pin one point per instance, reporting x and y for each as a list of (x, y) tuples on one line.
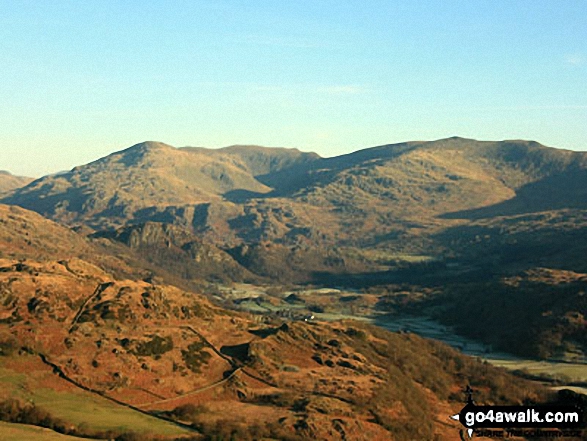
[(453, 223)]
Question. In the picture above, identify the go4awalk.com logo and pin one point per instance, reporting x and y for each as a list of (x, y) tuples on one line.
[(525, 421)]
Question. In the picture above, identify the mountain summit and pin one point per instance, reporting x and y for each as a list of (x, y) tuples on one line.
[(251, 193)]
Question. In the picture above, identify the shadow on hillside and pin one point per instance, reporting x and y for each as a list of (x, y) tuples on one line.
[(239, 352), (240, 196), (559, 191), (322, 171), (267, 332), (39, 198), (425, 275), (553, 241)]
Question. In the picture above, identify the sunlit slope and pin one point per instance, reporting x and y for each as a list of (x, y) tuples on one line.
[(70, 330), (289, 215), (145, 177), (250, 193), (10, 182)]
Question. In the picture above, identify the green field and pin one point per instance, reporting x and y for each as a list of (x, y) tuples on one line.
[(98, 413), (565, 372), (23, 432), (81, 408)]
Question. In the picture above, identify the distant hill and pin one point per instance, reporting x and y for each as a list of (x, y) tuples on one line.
[(10, 182), (102, 303), (179, 252), (151, 181), (392, 196), (258, 160)]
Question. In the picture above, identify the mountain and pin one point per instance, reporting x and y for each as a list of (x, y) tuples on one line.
[(9, 182), (393, 197), (150, 181), (455, 213)]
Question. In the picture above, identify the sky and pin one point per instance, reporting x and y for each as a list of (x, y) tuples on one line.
[(80, 80)]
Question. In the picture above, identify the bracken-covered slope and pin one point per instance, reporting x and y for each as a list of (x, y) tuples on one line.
[(160, 350), (72, 333), (26, 234)]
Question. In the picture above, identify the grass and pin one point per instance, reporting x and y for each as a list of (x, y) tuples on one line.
[(8, 376), (99, 413), (81, 408), (24, 432), (557, 371), (387, 257)]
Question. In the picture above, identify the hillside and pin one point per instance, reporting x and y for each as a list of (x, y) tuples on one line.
[(538, 313), (177, 251), (9, 182), (26, 234), (71, 331), (140, 252), (111, 321), (376, 196), (149, 181), (444, 213)]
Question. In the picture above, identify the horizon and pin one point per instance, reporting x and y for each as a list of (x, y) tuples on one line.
[(84, 80), (123, 148)]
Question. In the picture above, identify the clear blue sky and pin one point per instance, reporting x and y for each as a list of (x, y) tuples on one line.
[(81, 79)]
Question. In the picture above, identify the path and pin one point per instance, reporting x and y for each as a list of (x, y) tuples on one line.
[(99, 290)]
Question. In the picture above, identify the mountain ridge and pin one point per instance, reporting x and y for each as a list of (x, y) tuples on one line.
[(246, 194)]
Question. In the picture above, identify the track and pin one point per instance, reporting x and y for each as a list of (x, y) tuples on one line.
[(99, 290), (193, 392), (58, 371)]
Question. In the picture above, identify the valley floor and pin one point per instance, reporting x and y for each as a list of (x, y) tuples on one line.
[(558, 373)]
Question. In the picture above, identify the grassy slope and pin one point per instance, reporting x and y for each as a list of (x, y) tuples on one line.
[(118, 341), (25, 432), (78, 407)]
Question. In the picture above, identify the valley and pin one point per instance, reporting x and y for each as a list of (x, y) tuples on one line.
[(293, 221), (148, 292), (303, 304)]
